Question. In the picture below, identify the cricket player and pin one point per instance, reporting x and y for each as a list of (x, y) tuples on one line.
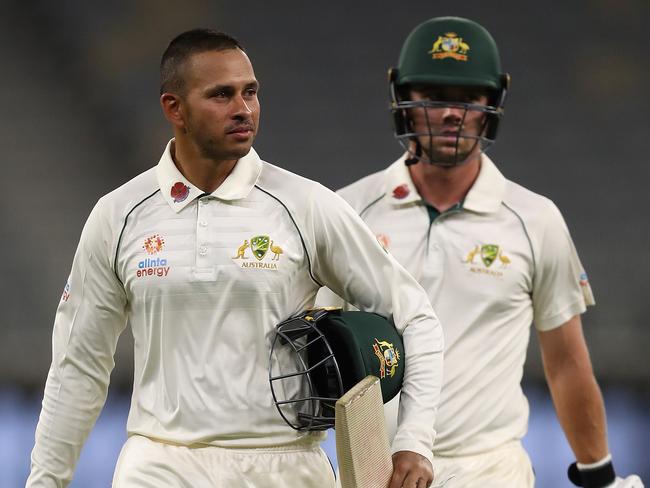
[(202, 255), (493, 257)]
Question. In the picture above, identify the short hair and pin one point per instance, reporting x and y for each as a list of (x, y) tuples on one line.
[(184, 46)]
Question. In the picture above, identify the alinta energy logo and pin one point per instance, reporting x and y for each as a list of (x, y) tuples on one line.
[(153, 244), (488, 254), (153, 266), (259, 246)]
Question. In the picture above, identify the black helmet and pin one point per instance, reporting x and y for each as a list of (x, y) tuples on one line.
[(320, 354)]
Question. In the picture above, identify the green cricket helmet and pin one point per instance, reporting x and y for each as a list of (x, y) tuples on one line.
[(318, 355), (447, 51)]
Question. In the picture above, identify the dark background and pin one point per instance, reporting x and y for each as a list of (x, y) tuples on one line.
[(80, 116)]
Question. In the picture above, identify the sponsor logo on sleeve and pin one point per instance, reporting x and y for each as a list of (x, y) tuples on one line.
[(66, 293), (586, 289)]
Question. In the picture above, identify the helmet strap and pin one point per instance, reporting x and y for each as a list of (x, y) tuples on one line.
[(415, 158)]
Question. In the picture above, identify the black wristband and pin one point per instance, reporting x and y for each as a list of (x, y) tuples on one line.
[(592, 478)]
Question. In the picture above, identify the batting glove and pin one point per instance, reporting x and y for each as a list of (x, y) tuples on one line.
[(632, 481)]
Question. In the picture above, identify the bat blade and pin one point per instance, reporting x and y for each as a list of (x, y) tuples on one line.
[(362, 447)]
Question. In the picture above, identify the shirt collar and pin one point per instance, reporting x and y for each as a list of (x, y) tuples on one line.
[(399, 186), (178, 192), (488, 191), (485, 195)]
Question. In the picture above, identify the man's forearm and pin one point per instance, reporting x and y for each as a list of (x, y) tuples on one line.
[(581, 411)]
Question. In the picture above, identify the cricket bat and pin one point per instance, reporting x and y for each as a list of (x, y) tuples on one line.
[(362, 447)]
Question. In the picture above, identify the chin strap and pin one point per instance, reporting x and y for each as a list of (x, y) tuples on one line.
[(416, 157)]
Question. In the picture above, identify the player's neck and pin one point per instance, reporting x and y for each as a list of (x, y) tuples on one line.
[(444, 187), (205, 173)]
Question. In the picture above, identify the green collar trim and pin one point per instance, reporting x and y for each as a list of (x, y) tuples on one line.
[(434, 213)]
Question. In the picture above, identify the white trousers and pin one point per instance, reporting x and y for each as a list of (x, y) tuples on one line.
[(505, 467), (144, 463)]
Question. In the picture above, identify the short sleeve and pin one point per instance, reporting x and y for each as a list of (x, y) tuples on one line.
[(561, 288)]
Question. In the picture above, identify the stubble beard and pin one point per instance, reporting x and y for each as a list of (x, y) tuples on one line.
[(446, 155), (210, 148)]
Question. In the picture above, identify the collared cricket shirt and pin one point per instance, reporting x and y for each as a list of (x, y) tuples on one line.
[(202, 280), (492, 265)]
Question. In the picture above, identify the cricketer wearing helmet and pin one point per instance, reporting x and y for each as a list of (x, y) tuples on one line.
[(493, 257), (416, 91)]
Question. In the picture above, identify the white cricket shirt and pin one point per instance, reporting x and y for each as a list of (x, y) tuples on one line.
[(203, 280), (491, 267)]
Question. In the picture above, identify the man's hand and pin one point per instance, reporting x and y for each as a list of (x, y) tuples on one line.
[(410, 470)]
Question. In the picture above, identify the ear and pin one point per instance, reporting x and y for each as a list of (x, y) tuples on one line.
[(172, 107)]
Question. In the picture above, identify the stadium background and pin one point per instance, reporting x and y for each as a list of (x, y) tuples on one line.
[(80, 116)]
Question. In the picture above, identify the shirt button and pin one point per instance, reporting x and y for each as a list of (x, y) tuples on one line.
[(203, 223), (203, 250)]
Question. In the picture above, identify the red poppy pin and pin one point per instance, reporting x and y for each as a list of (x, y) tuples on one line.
[(401, 191), (180, 191)]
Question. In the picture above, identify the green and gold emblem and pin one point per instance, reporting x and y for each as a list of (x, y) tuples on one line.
[(489, 253), (260, 246), (388, 356), (450, 46)]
